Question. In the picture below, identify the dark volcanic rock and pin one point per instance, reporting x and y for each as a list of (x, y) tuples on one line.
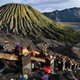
[(53, 45)]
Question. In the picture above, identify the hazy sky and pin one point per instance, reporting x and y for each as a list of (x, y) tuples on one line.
[(46, 5)]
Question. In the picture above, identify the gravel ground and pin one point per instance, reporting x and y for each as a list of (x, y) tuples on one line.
[(59, 76)]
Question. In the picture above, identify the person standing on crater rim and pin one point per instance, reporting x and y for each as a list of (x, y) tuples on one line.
[(4, 27), (7, 29), (17, 51), (45, 49)]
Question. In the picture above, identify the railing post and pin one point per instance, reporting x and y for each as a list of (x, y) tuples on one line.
[(26, 64)]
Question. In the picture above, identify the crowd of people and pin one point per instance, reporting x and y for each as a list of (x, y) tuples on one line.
[(59, 62), (45, 62)]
